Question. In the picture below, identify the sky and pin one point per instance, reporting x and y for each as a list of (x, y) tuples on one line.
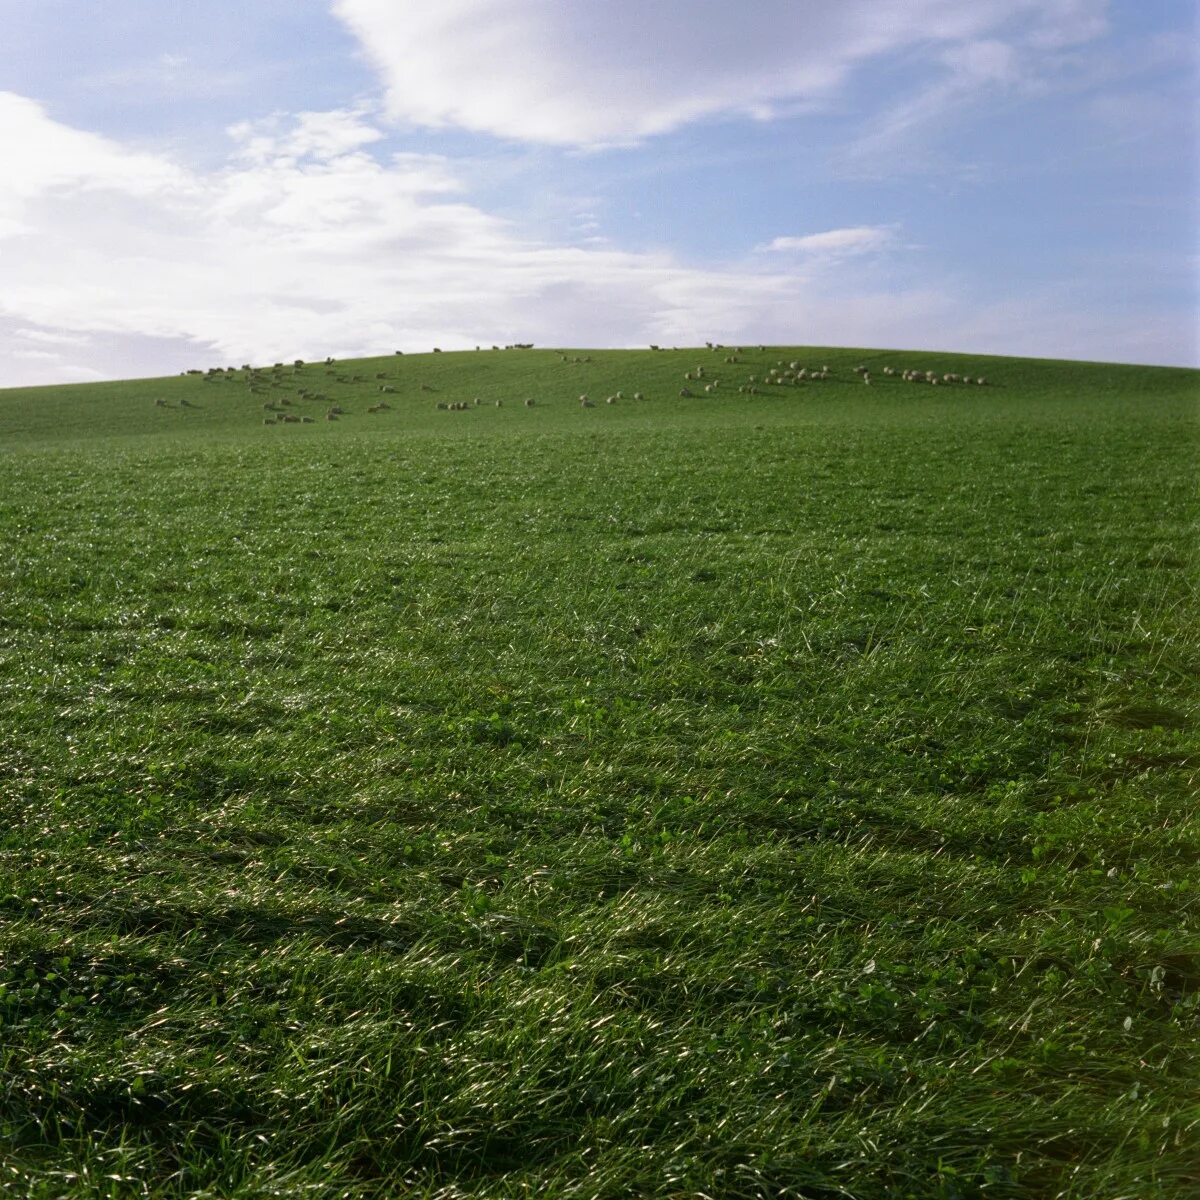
[(216, 182)]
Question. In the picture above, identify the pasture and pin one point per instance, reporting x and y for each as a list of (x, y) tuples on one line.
[(788, 793)]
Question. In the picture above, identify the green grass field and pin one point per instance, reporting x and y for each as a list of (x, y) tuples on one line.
[(747, 795)]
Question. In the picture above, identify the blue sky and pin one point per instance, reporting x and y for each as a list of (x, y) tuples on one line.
[(213, 182)]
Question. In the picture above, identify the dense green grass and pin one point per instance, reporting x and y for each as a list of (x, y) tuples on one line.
[(776, 795)]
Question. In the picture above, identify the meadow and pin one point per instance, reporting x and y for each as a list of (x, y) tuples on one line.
[(738, 795)]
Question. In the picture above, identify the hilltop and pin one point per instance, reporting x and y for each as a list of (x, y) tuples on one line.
[(236, 400)]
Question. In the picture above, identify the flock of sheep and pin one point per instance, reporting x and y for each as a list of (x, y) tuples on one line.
[(280, 410)]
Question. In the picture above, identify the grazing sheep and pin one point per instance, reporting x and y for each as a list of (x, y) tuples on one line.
[(442, 405), (686, 392), (610, 400), (688, 376), (638, 396), (653, 347), (866, 377), (585, 403), (528, 401), (981, 382), (583, 398), (499, 403)]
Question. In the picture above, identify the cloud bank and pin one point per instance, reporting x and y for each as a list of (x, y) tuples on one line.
[(581, 73)]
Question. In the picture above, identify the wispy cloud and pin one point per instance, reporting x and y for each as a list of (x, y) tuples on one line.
[(859, 239)]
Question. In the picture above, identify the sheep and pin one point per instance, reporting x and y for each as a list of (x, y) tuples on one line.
[(160, 403), (688, 376), (866, 377), (585, 403), (528, 401), (620, 395), (889, 370), (499, 403), (329, 416), (442, 405), (653, 347), (610, 400), (638, 396), (686, 392), (981, 382), (306, 420)]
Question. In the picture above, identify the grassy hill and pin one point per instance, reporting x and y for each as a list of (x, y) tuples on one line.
[(788, 793)]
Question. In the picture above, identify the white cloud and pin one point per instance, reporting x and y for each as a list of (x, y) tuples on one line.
[(582, 73), (859, 239)]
